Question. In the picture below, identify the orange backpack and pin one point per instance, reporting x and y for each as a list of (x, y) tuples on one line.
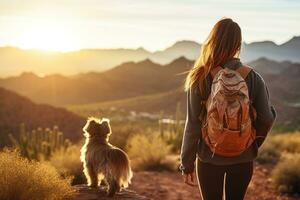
[(228, 129)]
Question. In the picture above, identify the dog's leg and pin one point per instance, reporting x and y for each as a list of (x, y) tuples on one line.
[(113, 187), (91, 175), (101, 180)]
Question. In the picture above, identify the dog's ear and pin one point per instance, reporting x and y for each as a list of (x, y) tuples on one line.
[(105, 126), (86, 126), (91, 127)]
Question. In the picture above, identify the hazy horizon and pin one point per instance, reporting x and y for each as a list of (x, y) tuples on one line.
[(134, 48), (68, 26)]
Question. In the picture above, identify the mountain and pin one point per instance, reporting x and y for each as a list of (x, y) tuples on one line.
[(14, 61), (266, 66), (147, 86), (127, 80), (293, 44), (286, 51), (186, 48), (16, 109)]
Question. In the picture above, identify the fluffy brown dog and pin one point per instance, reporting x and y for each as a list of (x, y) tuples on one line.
[(103, 161)]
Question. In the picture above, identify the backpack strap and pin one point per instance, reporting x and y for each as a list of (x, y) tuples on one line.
[(244, 71), (214, 71)]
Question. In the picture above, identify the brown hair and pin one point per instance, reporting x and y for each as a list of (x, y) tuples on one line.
[(223, 43)]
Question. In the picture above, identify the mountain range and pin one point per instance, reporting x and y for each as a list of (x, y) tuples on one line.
[(14, 61), (150, 87), (130, 79)]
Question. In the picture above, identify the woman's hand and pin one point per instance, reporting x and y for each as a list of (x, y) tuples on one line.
[(189, 179)]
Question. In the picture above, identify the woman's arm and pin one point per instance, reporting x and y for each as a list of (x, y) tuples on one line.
[(192, 131), (265, 112)]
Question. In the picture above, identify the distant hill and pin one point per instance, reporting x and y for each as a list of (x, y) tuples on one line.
[(134, 79), (281, 79), (148, 86), (286, 51), (14, 61), (16, 109), (130, 79), (154, 103), (186, 48), (267, 66)]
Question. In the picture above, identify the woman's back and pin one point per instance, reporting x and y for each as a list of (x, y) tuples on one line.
[(259, 97), (221, 49)]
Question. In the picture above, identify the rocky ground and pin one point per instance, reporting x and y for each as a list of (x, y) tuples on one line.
[(83, 192)]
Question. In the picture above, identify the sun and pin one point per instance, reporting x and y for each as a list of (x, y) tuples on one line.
[(47, 36)]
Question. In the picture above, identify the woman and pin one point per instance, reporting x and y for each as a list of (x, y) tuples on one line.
[(222, 48)]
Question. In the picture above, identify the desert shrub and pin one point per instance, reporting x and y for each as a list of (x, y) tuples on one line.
[(268, 153), (286, 174), (120, 133), (21, 179), (149, 152), (276, 144), (67, 163), (289, 142)]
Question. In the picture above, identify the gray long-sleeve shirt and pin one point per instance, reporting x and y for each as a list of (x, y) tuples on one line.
[(193, 144)]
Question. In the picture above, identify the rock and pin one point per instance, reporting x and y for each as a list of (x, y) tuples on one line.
[(83, 192)]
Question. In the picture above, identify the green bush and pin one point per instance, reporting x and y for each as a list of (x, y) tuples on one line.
[(286, 174), (150, 153), (67, 163), (21, 179)]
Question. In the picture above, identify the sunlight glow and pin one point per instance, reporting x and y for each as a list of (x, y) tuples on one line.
[(47, 36), (66, 25)]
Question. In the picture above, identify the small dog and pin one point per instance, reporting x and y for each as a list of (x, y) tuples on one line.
[(103, 161)]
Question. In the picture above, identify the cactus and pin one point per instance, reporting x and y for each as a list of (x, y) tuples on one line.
[(160, 126), (171, 130), (39, 144)]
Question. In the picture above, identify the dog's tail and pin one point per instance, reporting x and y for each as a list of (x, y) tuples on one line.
[(119, 164)]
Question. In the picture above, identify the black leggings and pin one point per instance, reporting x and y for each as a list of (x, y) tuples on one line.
[(211, 180)]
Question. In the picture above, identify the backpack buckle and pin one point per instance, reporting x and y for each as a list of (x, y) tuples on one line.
[(242, 127), (221, 127)]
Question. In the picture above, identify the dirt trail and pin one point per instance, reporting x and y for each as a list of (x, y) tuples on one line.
[(169, 186), (83, 192)]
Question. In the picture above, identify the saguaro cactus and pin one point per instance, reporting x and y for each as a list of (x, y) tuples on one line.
[(171, 129), (40, 143)]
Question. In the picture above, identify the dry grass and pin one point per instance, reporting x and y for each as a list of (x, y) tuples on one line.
[(284, 151), (275, 145), (268, 153), (67, 163), (21, 179), (286, 174), (289, 142), (150, 153)]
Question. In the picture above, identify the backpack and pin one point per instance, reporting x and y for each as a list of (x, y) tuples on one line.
[(228, 129)]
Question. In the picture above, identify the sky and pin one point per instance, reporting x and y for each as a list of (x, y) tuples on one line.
[(66, 25)]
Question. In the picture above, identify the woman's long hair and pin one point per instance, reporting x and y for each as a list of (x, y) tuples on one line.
[(223, 43)]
